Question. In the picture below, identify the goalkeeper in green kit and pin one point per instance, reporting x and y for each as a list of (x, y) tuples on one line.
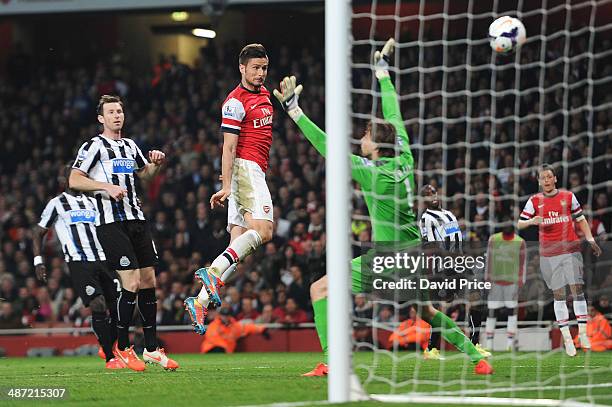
[(386, 173)]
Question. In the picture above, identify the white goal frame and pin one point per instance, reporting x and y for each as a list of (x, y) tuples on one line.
[(342, 385)]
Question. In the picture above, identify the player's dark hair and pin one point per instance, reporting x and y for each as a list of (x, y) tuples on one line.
[(251, 51), (547, 167), (383, 133), (66, 170), (107, 99), (426, 189)]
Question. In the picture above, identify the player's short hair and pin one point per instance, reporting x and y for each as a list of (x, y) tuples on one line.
[(66, 170), (251, 51), (426, 189), (107, 99), (383, 133), (547, 167)]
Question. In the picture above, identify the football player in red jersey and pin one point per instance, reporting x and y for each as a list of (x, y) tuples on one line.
[(554, 211), (247, 136)]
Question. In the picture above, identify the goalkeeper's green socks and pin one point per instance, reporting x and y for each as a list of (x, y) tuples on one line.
[(320, 317), (451, 333)]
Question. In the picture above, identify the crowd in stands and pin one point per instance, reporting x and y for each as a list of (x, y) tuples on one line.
[(47, 111)]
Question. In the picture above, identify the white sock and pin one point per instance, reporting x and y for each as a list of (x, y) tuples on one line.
[(565, 332), (203, 297), (580, 310), (228, 273), (241, 247), (562, 315), (490, 331), (512, 327)]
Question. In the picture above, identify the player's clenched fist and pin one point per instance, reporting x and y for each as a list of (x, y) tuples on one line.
[(595, 247), (116, 192), (41, 272), (157, 157), (218, 199)]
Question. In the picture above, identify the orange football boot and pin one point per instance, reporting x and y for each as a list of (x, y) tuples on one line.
[(320, 370), (129, 357), (483, 367)]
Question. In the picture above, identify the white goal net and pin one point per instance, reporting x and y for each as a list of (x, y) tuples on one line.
[(480, 125)]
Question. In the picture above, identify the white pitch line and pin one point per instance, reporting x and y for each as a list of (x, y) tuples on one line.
[(430, 397), (292, 404), (487, 401), (511, 389)]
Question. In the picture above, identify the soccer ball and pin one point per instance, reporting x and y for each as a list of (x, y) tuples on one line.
[(506, 34)]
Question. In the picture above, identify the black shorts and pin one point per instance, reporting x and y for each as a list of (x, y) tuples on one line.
[(128, 245), (93, 278)]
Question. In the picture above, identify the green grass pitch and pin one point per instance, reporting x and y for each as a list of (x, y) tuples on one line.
[(263, 378)]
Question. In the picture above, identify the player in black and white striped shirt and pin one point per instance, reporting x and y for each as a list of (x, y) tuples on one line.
[(439, 225), (106, 166), (73, 216)]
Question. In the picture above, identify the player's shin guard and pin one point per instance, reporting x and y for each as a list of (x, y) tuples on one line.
[(126, 304), (240, 248), (147, 304), (454, 335), (320, 317), (101, 326)]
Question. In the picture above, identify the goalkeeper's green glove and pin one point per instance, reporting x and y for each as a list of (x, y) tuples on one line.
[(382, 58), (288, 96)]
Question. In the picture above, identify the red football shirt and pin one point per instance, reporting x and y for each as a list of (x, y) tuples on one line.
[(248, 114), (557, 233)]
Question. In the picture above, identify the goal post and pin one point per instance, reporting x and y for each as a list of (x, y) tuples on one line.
[(337, 186)]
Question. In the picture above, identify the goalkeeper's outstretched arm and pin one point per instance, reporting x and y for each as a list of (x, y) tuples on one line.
[(288, 97), (390, 103)]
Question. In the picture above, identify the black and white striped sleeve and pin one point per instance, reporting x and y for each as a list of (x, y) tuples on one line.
[(49, 215), (88, 156)]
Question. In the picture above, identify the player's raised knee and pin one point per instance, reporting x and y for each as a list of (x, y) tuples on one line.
[(265, 231), (318, 289)]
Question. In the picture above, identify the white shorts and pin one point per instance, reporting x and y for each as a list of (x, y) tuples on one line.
[(250, 194), (503, 295), (564, 269)]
